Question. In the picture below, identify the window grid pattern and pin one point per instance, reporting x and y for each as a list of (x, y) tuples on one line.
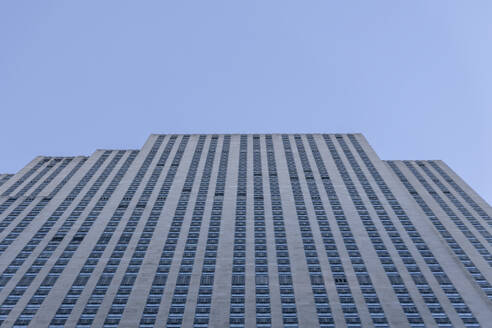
[(126, 285), (452, 243), (152, 305), (41, 260), (160, 278), (347, 302), (418, 278), (237, 307), (17, 262), (287, 297), (99, 291), (49, 165), (56, 271), (183, 279), (22, 180), (27, 219), (203, 305), (121, 298), (469, 217), (370, 297), (28, 200), (107, 289), (87, 269), (4, 178), (406, 302), (445, 283), (262, 289), (462, 193), (17, 183), (325, 317)]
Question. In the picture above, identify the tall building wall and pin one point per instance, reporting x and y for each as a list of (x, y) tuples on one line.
[(304, 230), (4, 178)]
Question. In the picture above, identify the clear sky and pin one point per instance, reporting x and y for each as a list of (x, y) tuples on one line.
[(414, 76)]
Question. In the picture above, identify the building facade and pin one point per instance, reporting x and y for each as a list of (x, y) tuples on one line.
[(281, 230)]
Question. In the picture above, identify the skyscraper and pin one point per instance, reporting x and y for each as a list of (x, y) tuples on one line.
[(304, 230)]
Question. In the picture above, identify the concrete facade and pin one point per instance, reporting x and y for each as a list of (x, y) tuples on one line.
[(275, 230)]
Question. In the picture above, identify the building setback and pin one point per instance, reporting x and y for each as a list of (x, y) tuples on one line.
[(280, 230)]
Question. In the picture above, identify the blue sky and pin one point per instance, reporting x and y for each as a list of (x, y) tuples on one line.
[(414, 76)]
